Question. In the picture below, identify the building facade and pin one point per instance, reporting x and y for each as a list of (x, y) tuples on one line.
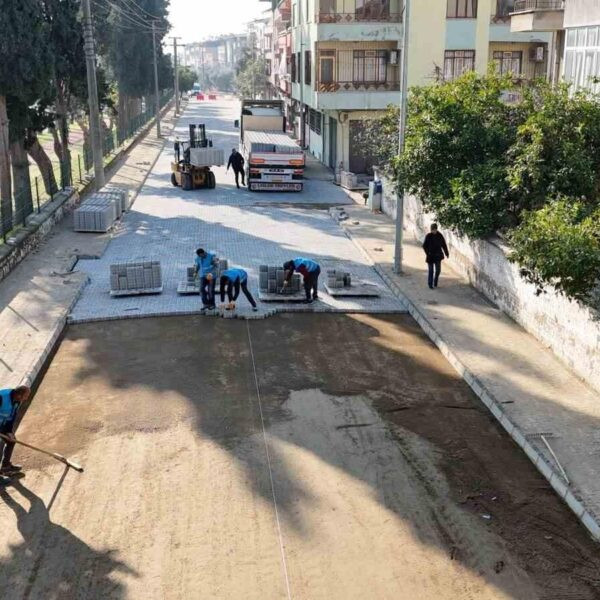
[(346, 57)]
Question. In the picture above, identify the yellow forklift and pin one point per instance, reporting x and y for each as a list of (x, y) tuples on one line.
[(193, 160)]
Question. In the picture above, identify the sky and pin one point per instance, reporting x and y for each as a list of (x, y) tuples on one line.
[(195, 20)]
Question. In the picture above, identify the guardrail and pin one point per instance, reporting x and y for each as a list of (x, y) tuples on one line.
[(527, 5), (354, 17)]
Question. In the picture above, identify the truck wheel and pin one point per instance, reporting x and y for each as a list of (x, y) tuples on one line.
[(173, 180), (186, 181), (212, 180)]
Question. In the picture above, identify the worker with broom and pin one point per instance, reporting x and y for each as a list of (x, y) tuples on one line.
[(232, 280), (310, 271), (10, 402)]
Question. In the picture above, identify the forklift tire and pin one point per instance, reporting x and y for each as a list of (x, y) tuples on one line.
[(173, 180), (212, 181), (187, 183)]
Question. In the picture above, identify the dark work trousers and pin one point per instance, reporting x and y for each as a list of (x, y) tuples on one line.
[(233, 292), (207, 289), (435, 268), (237, 175), (311, 284), (6, 448)]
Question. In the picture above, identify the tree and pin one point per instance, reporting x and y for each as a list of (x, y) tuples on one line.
[(559, 245), (25, 53), (251, 80), (187, 78), (556, 151), (456, 157)]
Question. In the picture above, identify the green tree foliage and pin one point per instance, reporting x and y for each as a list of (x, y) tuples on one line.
[(557, 147), (457, 139), (187, 79), (24, 64), (251, 79), (559, 244)]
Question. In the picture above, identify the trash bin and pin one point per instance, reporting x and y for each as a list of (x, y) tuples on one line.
[(375, 193)]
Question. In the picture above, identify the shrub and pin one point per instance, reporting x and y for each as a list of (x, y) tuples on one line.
[(559, 244)]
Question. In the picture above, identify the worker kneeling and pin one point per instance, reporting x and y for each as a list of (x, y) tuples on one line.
[(310, 271), (232, 280)]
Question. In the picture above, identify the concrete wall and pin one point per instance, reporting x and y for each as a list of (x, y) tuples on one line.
[(579, 13), (570, 330)]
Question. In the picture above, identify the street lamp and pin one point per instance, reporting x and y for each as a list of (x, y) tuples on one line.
[(401, 140)]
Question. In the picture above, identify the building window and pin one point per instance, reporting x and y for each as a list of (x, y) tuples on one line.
[(327, 66), (315, 121), (372, 9), (457, 62), (299, 66), (508, 62), (369, 66), (461, 9), (307, 67), (327, 7), (293, 68)]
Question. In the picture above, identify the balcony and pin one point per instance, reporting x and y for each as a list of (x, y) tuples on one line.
[(537, 15), (353, 17), (360, 11)]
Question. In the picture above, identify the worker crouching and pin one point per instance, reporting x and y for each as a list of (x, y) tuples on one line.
[(310, 271), (232, 281)]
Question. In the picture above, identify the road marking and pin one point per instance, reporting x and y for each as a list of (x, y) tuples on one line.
[(262, 420)]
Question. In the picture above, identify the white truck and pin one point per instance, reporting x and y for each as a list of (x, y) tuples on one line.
[(274, 161)]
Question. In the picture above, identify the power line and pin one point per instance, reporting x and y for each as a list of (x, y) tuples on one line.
[(127, 16), (138, 7)]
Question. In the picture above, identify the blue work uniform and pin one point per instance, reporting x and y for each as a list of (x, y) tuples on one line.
[(8, 414), (310, 270), (236, 275), (232, 281), (305, 266), (205, 265)]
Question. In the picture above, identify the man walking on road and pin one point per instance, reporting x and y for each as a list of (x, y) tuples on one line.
[(435, 248), (231, 282), (310, 270), (10, 402), (206, 270), (236, 162)]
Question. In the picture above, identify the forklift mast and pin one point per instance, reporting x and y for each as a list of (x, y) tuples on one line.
[(198, 137)]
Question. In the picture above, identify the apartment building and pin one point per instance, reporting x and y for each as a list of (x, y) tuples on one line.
[(222, 51), (281, 79), (345, 61)]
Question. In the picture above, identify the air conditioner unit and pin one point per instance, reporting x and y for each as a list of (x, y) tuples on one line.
[(537, 53), (393, 57)]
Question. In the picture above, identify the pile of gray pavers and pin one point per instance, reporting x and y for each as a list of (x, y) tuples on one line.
[(98, 212), (133, 278), (191, 285), (338, 279), (270, 285)]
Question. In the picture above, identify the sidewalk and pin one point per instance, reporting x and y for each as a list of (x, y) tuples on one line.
[(39, 294), (523, 384)]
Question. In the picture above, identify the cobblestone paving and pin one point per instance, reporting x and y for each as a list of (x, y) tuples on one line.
[(249, 229)]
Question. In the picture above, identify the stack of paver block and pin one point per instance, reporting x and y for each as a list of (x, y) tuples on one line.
[(95, 215), (122, 193), (338, 279), (271, 281), (191, 285), (130, 278)]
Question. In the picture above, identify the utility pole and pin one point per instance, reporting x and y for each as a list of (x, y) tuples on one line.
[(90, 60), (157, 100), (203, 72), (175, 38), (398, 259), (300, 76)]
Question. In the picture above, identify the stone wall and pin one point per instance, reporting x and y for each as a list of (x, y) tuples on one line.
[(37, 228), (569, 329)]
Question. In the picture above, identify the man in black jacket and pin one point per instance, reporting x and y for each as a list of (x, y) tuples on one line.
[(236, 162), (435, 248)]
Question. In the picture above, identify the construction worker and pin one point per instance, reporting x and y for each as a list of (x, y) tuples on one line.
[(207, 272), (10, 402), (232, 280), (236, 162), (310, 271)]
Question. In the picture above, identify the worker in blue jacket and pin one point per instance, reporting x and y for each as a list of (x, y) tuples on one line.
[(310, 271), (232, 280), (10, 401), (207, 271)]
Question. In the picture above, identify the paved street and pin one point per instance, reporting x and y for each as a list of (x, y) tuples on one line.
[(249, 229)]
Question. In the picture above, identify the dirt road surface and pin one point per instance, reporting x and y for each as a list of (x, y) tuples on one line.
[(303, 456)]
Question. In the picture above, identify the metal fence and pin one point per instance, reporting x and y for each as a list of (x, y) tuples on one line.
[(81, 169)]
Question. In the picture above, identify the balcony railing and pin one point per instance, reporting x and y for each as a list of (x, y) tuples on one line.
[(357, 86), (359, 17), (528, 5)]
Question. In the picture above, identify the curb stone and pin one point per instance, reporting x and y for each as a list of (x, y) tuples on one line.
[(589, 520)]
